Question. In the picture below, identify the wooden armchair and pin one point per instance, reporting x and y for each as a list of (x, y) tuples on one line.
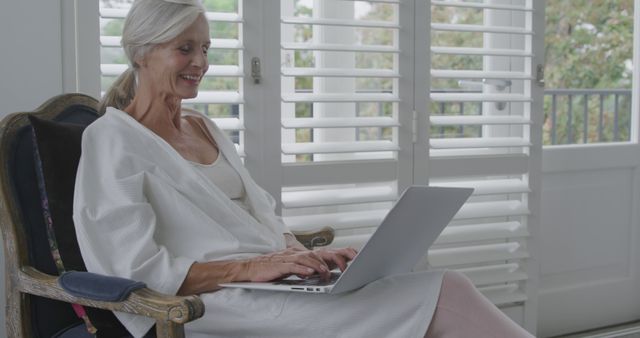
[(37, 305)]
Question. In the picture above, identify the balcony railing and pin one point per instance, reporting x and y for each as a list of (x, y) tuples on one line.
[(572, 116), (581, 116)]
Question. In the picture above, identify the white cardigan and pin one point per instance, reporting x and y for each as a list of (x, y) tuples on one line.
[(143, 212)]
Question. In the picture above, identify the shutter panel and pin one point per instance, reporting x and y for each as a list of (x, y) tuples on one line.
[(342, 108), (483, 134), (221, 95)]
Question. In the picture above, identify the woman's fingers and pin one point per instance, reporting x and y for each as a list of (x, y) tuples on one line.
[(337, 257), (323, 267), (297, 262), (307, 258), (288, 269), (285, 263), (339, 261), (265, 270)]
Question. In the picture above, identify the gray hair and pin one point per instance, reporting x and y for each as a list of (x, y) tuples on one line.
[(148, 23)]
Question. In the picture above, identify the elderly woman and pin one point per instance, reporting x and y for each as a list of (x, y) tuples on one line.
[(162, 197)]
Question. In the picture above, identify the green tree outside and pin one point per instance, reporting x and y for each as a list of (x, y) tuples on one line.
[(588, 45)]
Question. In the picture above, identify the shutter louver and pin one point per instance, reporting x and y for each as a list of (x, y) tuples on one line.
[(341, 112), (220, 96), (481, 112)]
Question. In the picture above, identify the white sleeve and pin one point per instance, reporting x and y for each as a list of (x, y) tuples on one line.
[(115, 223), (279, 223)]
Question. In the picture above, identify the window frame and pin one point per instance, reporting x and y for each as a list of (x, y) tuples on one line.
[(80, 47)]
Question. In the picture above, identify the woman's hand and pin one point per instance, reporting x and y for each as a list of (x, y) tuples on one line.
[(298, 262), (336, 257), (291, 261), (332, 257), (205, 277)]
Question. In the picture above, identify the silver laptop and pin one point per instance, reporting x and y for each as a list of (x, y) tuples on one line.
[(408, 230)]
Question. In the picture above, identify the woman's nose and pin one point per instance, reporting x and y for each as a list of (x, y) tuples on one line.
[(200, 60)]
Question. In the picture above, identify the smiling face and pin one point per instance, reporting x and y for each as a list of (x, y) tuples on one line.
[(175, 68)]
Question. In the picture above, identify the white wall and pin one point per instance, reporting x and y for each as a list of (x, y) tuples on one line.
[(30, 66)]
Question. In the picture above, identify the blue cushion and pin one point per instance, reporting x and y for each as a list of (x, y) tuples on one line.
[(98, 287)]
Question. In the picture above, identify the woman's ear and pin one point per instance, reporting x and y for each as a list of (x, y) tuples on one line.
[(139, 63)]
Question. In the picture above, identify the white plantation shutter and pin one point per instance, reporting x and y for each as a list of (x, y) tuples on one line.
[(342, 109), (481, 131), (485, 122), (221, 90)]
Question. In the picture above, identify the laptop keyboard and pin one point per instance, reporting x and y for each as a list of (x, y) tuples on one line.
[(315, 280)]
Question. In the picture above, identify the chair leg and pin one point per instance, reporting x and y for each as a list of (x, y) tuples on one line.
[(168, 329), (17, 322)]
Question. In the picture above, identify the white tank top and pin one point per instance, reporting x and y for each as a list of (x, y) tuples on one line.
[(222, 174)]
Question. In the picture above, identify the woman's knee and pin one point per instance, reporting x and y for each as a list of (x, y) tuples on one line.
[(463, 304), (456, 289), (457, 281)]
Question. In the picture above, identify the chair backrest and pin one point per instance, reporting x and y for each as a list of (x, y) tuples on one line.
[(21, 216)]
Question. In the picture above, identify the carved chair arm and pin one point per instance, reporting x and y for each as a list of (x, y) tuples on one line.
[(145, 302), (315, 238)]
